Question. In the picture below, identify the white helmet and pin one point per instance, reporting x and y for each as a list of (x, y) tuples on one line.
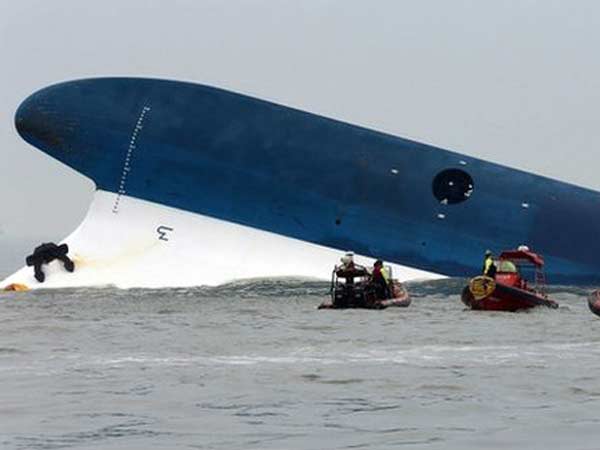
[(347, 258)]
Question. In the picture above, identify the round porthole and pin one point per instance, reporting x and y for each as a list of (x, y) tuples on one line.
[(452, 186)]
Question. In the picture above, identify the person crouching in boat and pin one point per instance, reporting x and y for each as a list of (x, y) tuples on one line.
[(489, 267), (381, 280), (349, 270)]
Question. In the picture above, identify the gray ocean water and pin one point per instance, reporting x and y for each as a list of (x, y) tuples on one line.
[(255, 366)]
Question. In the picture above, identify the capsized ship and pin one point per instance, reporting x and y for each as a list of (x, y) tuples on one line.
[(200, 186)]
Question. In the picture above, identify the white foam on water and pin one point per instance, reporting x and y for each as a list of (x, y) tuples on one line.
[(424, 355)]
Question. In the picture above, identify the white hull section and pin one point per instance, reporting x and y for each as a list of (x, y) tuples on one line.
[(149, 245)]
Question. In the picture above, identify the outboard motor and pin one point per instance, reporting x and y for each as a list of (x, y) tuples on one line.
[(45, 254)]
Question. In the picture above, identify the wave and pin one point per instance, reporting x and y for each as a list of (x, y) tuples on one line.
[(425, 355), (284, 287)]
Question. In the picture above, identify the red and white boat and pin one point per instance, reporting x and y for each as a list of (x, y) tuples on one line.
[(509, 290)]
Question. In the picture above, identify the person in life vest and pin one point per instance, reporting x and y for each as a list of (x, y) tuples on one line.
[(381, 280), (489, 267)]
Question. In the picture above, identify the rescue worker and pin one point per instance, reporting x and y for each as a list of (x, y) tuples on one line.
[(489, 267), (347, 261), (348, 269), (381, 280), (349, 293), (45, 254)]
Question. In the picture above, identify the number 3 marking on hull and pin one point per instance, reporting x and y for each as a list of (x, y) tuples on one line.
[(163, 232)]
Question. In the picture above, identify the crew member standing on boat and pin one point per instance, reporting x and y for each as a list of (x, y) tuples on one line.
[(381, 280), (347, 261), (489, 267), (348, 269)]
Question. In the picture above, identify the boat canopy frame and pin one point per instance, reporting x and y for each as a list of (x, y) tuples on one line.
[(528, 258), (521, 256)]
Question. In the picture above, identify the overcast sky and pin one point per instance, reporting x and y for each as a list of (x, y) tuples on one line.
[(516, 82)]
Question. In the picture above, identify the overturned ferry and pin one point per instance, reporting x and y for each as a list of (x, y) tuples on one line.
[(201, 186)]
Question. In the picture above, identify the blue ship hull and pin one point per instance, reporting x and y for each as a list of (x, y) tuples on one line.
[(274, 168)]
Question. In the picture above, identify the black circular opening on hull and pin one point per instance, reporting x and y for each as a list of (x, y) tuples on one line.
[(452, 186)]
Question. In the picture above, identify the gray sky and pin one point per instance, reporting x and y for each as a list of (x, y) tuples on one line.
[(516, 82)]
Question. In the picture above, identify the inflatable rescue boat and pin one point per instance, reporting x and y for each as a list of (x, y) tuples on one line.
[(354, 287), (509, 290)]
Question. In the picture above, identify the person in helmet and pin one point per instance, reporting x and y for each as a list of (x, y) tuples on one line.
[(349, 269), (347, 261), (489, 267)]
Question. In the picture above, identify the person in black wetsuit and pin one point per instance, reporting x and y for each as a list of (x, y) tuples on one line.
[(349, 269), (45, 254), (350, 293), (381, 281)]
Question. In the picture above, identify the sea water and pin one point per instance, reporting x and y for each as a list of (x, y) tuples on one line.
[(254, 365)]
